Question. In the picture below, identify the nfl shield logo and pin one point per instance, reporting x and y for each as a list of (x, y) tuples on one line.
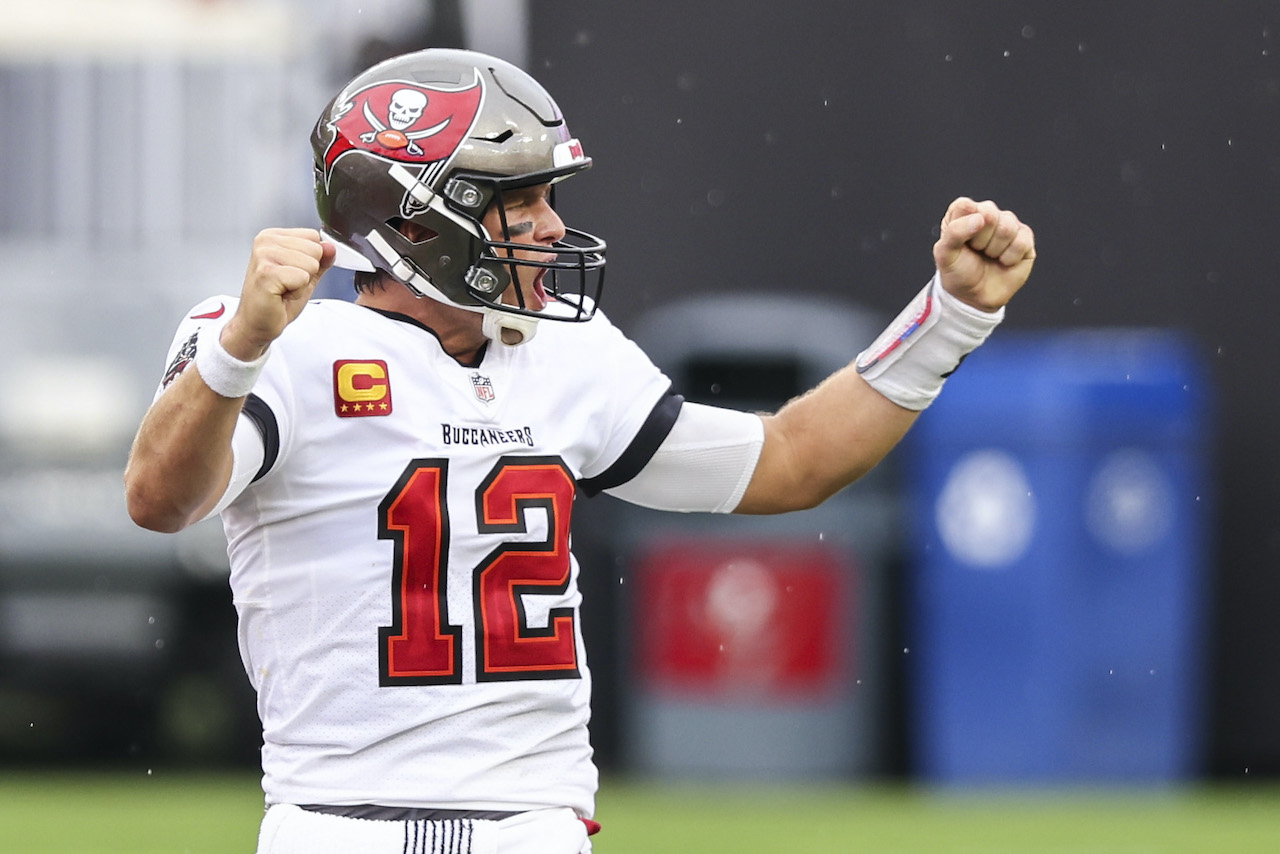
[(483, 387)]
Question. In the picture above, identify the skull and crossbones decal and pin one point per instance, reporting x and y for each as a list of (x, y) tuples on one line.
[(406, 107), (403, 121)]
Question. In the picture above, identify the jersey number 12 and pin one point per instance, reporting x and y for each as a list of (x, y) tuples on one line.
[(421, 646)]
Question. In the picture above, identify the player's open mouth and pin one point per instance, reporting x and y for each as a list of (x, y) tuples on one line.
[(539, 292)]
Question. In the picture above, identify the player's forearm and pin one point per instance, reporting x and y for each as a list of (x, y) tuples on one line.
[(823, 441), (181, 458)]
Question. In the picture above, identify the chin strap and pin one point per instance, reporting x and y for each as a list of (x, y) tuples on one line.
[(501, 326), (507, 328)]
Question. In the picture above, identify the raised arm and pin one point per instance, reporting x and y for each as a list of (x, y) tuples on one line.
[(181, 459), (825, 439)]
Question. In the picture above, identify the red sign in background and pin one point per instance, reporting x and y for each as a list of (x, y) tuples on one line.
[(719, 618)]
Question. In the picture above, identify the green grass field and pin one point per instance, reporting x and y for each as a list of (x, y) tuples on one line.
[(170, 813)]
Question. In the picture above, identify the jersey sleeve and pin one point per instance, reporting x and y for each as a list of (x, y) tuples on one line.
[(704, 465), (639, 407), (182, 350), (652, 433), (247, 456), (251, 446)]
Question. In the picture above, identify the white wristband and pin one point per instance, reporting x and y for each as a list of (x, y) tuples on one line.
[(222, 372), (924, 344)]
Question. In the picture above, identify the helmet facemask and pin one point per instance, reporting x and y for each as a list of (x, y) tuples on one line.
[(574, 278)]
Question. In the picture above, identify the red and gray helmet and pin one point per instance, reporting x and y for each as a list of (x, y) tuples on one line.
[(435, 137)]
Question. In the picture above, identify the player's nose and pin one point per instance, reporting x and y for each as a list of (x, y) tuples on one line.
[(550, 227)]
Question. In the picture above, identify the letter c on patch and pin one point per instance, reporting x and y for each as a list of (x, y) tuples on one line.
[(361, 388)]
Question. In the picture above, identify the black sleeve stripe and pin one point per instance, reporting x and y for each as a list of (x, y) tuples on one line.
[(642, 448), (265, 419)]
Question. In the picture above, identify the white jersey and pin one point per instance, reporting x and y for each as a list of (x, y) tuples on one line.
[(408, 605)]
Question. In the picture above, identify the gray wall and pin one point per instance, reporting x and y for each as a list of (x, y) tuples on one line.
[(812, 147)]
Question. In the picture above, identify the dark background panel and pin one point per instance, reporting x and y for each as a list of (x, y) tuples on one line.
[(811, 147)]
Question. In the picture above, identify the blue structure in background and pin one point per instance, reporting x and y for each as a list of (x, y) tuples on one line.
[(1059, 509)]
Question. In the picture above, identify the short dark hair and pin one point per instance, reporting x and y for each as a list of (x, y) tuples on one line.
[(366, 282)]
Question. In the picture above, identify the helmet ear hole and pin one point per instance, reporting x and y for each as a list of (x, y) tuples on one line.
[(414, 232)]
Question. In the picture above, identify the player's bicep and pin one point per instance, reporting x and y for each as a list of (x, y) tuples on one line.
[(703, 465)]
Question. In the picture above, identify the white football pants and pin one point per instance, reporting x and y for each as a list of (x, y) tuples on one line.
[(287, 829)]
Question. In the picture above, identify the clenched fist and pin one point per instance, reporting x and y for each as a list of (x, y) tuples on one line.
[(983, 254), (284, 267)]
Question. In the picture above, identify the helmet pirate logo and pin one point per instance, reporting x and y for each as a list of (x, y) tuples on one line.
[(404, 122)]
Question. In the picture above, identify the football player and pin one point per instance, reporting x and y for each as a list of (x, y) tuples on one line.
[(396, 474)]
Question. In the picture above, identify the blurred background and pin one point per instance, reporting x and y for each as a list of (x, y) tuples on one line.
[(1069, 571)]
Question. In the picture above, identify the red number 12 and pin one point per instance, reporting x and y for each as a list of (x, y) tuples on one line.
[(422, 646)]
